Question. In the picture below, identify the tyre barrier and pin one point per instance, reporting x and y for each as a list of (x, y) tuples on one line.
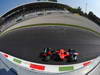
[(52, 68)]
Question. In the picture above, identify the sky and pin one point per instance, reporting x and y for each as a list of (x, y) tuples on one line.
[(92, 5)]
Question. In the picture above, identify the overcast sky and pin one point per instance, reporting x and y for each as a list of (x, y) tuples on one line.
[(92, 5)]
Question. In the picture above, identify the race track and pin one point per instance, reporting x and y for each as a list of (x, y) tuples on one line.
[(27, 43)]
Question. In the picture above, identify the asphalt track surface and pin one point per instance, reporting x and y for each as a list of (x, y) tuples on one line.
[(27, 43)]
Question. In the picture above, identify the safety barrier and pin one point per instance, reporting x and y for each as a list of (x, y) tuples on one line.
[(50, 68)]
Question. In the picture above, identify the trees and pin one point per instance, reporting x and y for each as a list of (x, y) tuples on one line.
[(93, 17)]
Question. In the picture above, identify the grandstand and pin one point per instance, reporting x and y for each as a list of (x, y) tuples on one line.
[(31, 10)]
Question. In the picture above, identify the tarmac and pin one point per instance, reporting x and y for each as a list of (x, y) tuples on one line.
[(28, 43)]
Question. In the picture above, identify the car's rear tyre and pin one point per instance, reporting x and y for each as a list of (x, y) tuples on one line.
[(72, 58), (75, 58)]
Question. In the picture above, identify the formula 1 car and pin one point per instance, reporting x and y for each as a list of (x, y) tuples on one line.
[(59, 54)]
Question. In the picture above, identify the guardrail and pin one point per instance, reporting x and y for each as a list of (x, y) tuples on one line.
[(52, 68)]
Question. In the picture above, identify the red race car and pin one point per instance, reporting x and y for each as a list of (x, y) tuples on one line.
[(59, 54)]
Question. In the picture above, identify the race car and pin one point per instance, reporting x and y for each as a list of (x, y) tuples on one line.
[(73, 55), (59, 54)]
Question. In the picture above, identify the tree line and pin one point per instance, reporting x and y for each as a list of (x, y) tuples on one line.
[(90, 15)]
